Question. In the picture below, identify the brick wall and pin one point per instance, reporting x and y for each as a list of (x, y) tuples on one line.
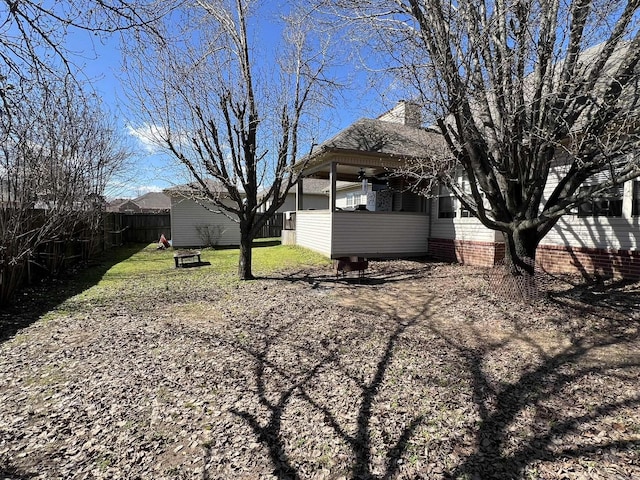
[(588, 262), (480, 254)]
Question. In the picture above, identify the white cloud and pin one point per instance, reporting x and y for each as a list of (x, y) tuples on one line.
[(148, 136), (147, 188), (129, 189)]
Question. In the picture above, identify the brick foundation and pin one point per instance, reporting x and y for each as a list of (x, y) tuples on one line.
[(479, 254), (588, 262)]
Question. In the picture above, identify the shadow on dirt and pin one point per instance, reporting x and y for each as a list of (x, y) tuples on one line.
[(549, 398), (380, 272), (298, 381), (7, 472)]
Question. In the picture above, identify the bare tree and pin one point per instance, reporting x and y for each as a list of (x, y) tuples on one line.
[(521, 91), (58, 151), (228, 109), (34, 32)]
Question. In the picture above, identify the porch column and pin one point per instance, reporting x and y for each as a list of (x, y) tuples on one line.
[(299, 193), (333, 173)]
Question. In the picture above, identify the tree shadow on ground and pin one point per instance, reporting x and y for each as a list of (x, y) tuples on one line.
[(8, 472), (540, 414), (379, 273), (619, 296), (36, 300), (549, 392), (298, 380), (499, 407)]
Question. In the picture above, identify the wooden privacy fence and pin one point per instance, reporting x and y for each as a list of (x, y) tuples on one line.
[(273, 227), (52, 253), (136, 227)]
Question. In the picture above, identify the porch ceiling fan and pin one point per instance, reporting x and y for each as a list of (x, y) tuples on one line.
[(380, 178)]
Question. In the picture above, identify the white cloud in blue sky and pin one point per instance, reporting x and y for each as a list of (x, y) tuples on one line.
[(146, 136)]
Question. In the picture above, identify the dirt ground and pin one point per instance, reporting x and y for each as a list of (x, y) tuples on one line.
[(419, 371)]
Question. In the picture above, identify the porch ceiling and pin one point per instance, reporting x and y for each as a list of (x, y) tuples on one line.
[(349, 168)]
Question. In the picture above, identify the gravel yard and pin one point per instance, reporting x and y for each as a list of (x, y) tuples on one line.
[(417, 372)]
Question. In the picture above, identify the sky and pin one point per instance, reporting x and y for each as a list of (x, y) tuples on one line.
[(153, 170), (100, 61)]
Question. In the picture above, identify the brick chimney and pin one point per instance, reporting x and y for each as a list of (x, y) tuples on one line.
[(405, 113)]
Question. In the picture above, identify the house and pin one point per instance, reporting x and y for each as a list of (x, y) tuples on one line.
[(600, 237), (152, 202), (316, 196), (384, 219), (197, 222)]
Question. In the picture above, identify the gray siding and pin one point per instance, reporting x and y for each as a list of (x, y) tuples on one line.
[(313, 230), (309, 202), (595, 232), (460, 228), (367, 234), (617, 233), (190, 222), (379, 234)]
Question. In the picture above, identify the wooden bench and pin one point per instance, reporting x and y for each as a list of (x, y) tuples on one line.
[(188, 257)]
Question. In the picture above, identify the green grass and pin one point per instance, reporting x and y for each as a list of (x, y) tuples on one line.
[(139, 270)]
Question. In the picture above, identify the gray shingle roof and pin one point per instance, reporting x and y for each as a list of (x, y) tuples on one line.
[(195, 189), (314, 186), (388, 138), (153, 200)]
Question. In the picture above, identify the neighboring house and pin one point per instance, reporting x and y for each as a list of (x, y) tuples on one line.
[(114, 205), (602, 237), (315, 197), (152, 202), (196, 222)]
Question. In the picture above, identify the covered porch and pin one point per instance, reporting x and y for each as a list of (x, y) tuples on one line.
[(363, 234), (388, 221)]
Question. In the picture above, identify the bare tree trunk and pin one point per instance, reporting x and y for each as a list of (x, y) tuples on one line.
[(517, 279), (244, 262), (520, 251), (204, 83)]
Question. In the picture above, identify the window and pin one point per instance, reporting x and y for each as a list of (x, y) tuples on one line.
[(635, 208), (349, 200), (355, 199), (466, 188), (465, 212), (447, 203), (604, 204), (449, 206)]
